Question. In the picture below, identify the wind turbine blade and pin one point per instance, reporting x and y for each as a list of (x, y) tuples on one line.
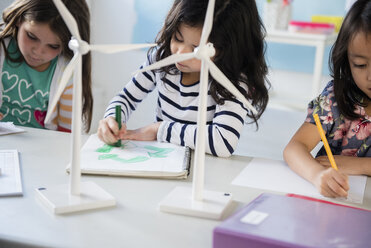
[(62, 85), (68, 19), (167, 61), (208, 23), (114, 48), (226, 83)]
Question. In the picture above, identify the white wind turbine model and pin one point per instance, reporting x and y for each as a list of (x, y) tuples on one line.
[(199, 202), (86, 195)]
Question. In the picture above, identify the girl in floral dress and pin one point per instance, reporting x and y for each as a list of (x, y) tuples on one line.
[(344, 109)]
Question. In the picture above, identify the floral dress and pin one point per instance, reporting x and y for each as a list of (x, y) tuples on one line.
[(345, 137)]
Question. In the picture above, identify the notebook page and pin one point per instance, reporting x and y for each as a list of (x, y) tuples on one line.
[(275, 175), (10, 175)]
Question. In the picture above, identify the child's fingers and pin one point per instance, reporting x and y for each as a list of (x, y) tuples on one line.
[(342, 180), (337, 188), (326, 191), (122, 131), (332, 183), (113, 126), (1, 116), (105, 135), (106, 130)]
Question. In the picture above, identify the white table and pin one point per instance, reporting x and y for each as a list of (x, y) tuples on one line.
[(319, 41), (134, 222)]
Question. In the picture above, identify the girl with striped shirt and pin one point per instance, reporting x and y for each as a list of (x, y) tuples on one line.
[(238, 39), (33, 55)]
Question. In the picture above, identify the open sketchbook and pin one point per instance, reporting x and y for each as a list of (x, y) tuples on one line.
[(135, 158), (275, 175)]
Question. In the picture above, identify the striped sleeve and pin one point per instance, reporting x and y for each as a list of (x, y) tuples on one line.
[(132, 94), (222, 134), (64, 117)]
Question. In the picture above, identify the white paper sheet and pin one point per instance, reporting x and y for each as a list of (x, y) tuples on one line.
[(10, 177), (9, 128), (275, 175)]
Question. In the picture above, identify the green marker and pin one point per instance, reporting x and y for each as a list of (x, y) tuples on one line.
[(118, 119)]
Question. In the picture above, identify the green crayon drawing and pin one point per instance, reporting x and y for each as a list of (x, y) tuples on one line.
[(154, 152), (159, 152), (105, 149), (122, 160)]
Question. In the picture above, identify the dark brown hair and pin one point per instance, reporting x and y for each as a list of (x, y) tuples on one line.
[(347, 93), (44, 11), (238, 38)]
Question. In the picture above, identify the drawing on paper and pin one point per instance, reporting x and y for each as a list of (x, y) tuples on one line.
[(147, 152)]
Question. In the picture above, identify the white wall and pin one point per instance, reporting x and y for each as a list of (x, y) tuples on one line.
[(112, 22)]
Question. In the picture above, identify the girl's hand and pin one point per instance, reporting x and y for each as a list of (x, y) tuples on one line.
[(331, 183), (1, 116), (108, 130), (146, 133)]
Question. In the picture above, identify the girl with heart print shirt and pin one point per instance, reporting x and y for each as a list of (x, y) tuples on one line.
[(33, 55)]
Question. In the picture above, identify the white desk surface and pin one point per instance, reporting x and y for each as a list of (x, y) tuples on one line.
[(134, 222)]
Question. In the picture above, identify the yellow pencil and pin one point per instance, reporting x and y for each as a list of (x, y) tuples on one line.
[(324, 140)]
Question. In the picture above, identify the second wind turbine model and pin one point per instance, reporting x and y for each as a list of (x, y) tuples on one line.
[(200, 202)]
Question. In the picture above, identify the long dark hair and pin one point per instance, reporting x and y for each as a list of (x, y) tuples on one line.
[(238, 37), (44, 11), (347, 93)]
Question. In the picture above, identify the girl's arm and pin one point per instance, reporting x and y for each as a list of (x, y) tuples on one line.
[(222, 133), (146, 133), (328, 181), (349, 165)]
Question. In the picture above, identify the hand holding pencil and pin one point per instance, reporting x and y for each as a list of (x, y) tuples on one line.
[(111, 129), (330, 182)]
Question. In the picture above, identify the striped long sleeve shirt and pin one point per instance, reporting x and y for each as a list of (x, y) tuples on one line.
[(62, 115), (176, 109)]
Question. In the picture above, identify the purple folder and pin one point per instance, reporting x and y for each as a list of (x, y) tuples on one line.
[(281, 221)]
